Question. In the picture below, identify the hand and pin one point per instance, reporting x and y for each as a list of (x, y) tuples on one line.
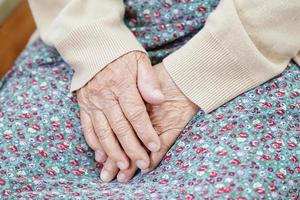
[(168, 118), (113, 114)]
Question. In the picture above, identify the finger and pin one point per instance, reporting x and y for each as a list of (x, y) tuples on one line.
[(91, 137), (108, 140), (167, 140), (148, 83), (135, 111), (126, 136), (125, 175), (109, 170)]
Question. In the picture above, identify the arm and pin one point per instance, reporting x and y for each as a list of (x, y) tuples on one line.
[(88, 34), (242, 45)]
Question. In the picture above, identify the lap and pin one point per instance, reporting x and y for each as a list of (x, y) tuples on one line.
[(247, 147)]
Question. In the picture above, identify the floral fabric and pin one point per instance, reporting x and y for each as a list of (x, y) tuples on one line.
[(246, 149)]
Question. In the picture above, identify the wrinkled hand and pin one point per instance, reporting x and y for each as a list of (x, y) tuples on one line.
[(113, 114), (168, 118)]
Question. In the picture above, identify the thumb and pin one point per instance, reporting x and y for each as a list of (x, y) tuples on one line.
[(148, 83)]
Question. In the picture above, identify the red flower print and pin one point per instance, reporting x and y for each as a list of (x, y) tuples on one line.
[(59, 136), (225, 189), (197, 137), (135, 33), (254, 143), (277, 144), (201, 150), (36, 127), (265, 157), (280, 112), (240, 107), (156, 13), (163, 27), (293, 159), (235, 162), (63, 146), (6, 193), (243, 135), (219, 116), (259, 126), (156, 39), (202, 9), (272, 187), (78, 172), (203, 168), (47, 98), (147, 16), (222, 153), (280, 175), (2, 182), (13, 148), (43, 153), (40, 138), (179, 162), (7, 136), (274, 85), (213, 174), (260, 190), (190, 197), (180, 27), (69, 124), (163, 181), (294, 93), (26, 115), (167, 5), (55, 123), (292, 144), (80, 149), (51, 172), (268, 104), (269, 136), (74, 162)]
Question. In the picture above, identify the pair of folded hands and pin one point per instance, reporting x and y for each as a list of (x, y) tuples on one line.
[(131, 114)]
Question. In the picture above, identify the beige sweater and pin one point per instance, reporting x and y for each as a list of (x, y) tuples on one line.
[(243, 44)]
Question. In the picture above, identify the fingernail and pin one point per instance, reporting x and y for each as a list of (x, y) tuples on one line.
[(153, 147), (141, 164), (121, 165), (121, 177), (145, 171), (99, 156), (159, 94), (105, 176)]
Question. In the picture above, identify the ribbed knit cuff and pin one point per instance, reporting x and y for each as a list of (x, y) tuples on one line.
[(207, 73), (89, 48), (221, 61)]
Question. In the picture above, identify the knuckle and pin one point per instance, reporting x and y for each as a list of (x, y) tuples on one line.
[(103, 134), (122, 129), (136, 115), (107, 95), (87, 130)]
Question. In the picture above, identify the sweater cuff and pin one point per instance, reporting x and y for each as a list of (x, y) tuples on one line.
[(220, 62), (90, 48), (207, 74)]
